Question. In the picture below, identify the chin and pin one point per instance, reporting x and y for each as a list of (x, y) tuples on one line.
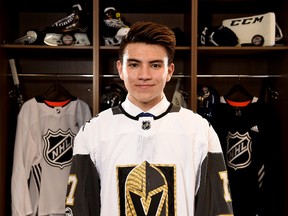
[(149, 100)]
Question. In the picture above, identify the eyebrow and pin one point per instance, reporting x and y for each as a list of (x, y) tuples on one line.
[(137, 60)]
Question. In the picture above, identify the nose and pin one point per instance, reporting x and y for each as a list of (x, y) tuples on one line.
[(144, 73)]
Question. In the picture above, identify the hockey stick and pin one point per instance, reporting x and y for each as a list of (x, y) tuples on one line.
[(16, 82)]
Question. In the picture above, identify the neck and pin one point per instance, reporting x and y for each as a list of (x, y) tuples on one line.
[(146, 105)]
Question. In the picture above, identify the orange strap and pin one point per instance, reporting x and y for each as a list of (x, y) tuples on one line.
[(238, 104), (57, 103)]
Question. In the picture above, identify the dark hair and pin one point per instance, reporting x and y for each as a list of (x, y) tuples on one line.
[(150, 33)]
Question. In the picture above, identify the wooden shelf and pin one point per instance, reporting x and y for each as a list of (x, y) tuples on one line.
[(17, 46), (239, 50)]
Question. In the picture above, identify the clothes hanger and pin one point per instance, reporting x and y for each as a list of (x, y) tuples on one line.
[(56, 93), (238, 93)]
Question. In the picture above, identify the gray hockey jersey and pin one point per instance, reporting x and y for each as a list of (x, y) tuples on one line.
[(43, 155)]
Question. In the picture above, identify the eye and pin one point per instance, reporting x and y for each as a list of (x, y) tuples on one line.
[(156, 65), (133, 65)]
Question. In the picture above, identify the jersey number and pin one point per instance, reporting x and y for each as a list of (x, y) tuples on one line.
[(72, 181), (224, 178)]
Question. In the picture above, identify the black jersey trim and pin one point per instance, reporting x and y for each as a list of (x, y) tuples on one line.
[(170, 109), (37, 173), (120, 110)]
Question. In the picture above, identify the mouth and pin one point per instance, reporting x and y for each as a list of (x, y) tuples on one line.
[(144, 86)]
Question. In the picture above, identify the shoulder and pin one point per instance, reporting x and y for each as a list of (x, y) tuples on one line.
[(188, 120), (81, 102), (187, 113), (101, 118), (28, 109)]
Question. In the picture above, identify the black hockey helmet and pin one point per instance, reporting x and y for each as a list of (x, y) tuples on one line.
[(218, 36), (112, 96)]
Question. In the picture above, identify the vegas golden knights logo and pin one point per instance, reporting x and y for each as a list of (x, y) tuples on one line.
[(146, 190), (58, 148)]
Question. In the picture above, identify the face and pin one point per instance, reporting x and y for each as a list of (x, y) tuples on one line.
[(145, 71)]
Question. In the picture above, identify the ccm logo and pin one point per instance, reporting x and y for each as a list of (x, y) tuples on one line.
[(246, 21)]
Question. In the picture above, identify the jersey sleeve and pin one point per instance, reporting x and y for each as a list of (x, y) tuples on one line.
[(24, 154), (83, 189), (83, 112), (213, 196)]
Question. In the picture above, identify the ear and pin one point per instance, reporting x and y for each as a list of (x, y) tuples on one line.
[(120, 69), (171, 69)]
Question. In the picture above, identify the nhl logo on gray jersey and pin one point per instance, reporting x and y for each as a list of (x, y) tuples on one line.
[(58, 148), (238, 150)]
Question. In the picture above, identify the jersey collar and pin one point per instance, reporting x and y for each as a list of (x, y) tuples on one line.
[(157, 110)]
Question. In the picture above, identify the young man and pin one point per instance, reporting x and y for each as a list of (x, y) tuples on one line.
[(146, 156)]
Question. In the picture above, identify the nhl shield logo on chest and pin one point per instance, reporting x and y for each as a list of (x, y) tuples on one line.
[(146, 125), (58, 148), (239, 150)]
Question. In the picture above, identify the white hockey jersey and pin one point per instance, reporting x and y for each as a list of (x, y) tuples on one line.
[(169, 164), (43, 155)]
